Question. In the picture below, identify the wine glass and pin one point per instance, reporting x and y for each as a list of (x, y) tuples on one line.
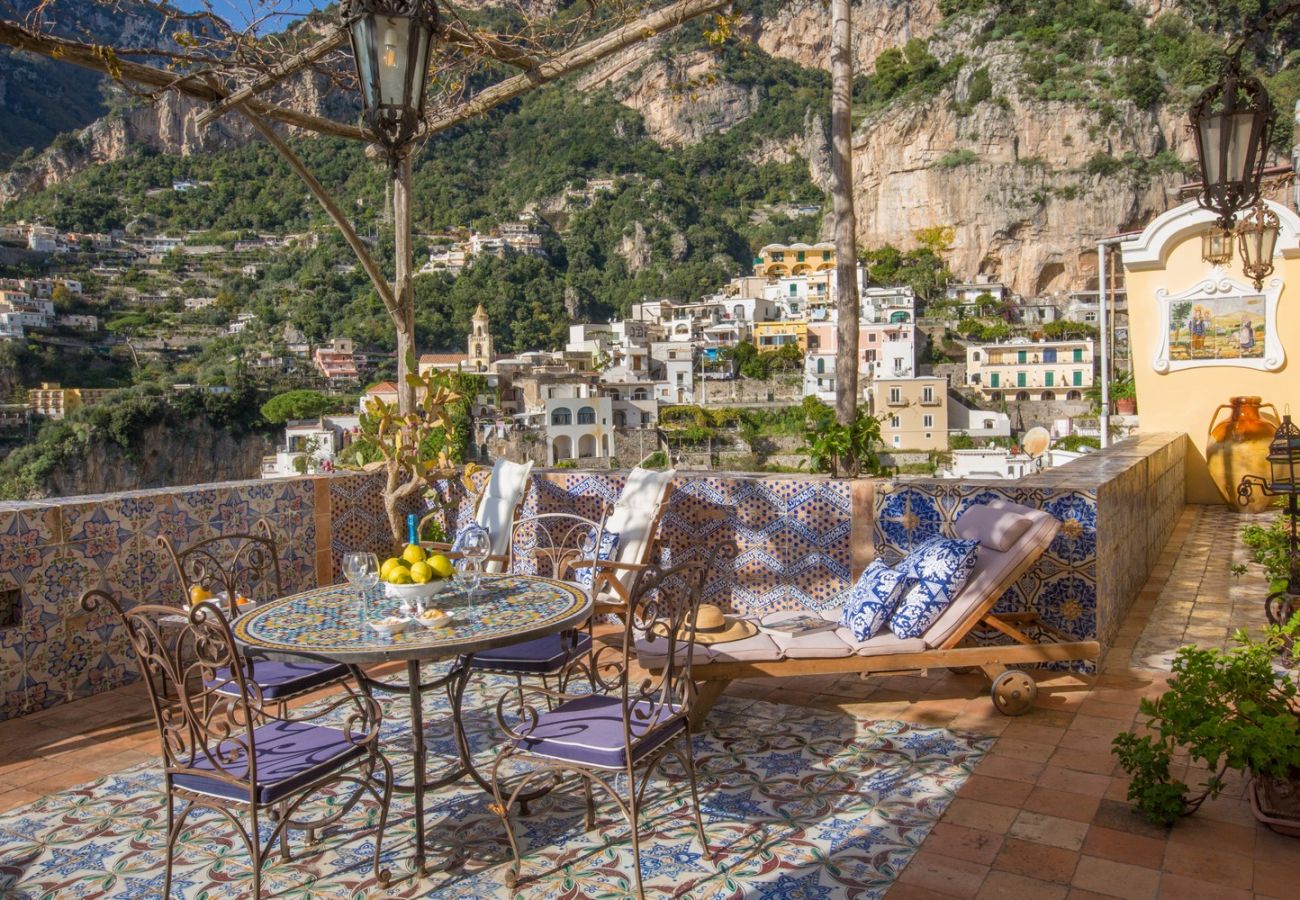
[(362, 570), (475, 547)]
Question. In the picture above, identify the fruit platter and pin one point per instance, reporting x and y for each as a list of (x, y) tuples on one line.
[(415, 575)]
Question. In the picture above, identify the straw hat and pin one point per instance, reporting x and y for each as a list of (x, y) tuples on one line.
[(713, 626)]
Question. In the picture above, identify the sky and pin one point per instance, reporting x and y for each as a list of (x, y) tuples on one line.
[(240, 12)]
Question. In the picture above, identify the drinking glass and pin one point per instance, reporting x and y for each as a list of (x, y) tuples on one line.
[(475, 547), (361, 570)]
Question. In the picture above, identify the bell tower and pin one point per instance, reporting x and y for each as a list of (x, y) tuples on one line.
[(480, 341)]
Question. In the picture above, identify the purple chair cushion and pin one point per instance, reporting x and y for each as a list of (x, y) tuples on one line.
[(290, 755), (541, 656), (589, 731), (281, 679)]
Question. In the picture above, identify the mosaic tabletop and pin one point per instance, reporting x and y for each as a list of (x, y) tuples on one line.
[(335, 623)]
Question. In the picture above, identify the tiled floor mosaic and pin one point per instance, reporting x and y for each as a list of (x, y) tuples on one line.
[(810, 804)]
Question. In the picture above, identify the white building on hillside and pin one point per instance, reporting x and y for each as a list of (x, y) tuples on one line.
[(311, 445)]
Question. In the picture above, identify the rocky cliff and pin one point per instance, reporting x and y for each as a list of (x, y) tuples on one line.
[(162, 458)]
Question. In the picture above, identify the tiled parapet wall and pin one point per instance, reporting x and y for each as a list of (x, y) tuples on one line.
[(1117, 508)]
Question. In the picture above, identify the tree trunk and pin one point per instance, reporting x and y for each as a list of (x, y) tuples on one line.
[(846, 254), (403, 312)]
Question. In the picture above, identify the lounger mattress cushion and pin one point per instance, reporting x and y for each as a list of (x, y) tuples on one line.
[(653, 652), (937, 570), (992, 568), (993, 526), (873, 599), (756, 648), (880, 645), (823, 645)]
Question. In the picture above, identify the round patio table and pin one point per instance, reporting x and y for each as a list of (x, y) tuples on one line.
[(331, 624)]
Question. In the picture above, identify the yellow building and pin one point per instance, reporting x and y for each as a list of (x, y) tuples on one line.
[(777, 260), (1202, 334), (1021, 369), (769, 336), (913, 412), (54, 402)]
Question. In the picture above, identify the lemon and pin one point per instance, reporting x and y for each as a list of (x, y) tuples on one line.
[(387, 568), (441, 565), (421, 573), (413, 553), (198, 593), (400, 576), (391, 577)]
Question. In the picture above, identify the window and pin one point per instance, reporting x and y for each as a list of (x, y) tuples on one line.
[(821, 366), (794, 290), (800, 256), (1048, 378), (895, 396), (994, 378), (826, 254), (1078, 354), (738, 311), (927, 422), (1072, 395), (895, 422), (975, 356), (1049, 355), (927, 395), (1022, 395), (620, 418), (778, 256), (561, 416), (586, 416), (681, 377), (1049, 395), (1078, 378), (1020, 379), (988, 424), (898, 441), (1022, 356), (871, 356)]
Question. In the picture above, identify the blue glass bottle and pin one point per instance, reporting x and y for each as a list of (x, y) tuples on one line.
[(413, 529)]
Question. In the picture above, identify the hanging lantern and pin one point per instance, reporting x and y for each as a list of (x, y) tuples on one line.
[(1284, 458), (1216, 246), (1257, 237), (1232, 125), (391, 41)]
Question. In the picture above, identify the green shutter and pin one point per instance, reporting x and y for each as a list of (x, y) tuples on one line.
[(993, 380), (1048, 378), (1078, 354), (1078, 379), (1022, 356), (1020, 379)]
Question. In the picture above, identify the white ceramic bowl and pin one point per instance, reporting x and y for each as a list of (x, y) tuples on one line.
[(439, 621), (389, 626), (413, 592)]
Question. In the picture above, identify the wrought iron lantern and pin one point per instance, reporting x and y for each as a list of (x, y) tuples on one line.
[(391, 42), (1216, 246), (1257, 237), (1232, 125), (1283, 464)]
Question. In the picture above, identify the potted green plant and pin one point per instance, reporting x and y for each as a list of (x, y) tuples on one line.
[(1124, 393), (1227, 709)]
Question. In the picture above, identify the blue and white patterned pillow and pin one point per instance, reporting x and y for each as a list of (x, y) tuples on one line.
[(584, 575), (936, 571), (872, 600)]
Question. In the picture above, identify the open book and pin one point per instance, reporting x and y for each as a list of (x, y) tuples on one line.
[(800, 625)]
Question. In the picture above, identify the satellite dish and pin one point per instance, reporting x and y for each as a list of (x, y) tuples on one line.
[(1036, 441)]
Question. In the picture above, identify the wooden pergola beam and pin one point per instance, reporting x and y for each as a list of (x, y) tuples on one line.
[(274, 76), (594, 50), (102, 59)]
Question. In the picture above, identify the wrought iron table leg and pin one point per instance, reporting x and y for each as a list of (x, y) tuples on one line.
[(418, 753)]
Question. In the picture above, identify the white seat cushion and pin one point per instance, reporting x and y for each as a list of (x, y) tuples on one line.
[(756, 648), (882, 644), (823, 645), (653, 651), (633, 517)]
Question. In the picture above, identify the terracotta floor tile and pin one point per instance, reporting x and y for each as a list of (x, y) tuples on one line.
[(1116, 879), (971, 844), (1124, 846), (1100, 762), (901, 890), (1037, 860), (1271, 876), (1212, 834), (981, 815), (995, 790), (1123, 712), (1090, 783), (1050, 830), (15, 797), (1204, 864), (1011, 886), (944, 874), (1010, 768), (1028, 730), (1122, 816), (1029, 751), (1066, 805), (1186, 888)]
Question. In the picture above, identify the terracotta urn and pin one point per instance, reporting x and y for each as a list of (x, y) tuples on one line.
[(1238, 446)]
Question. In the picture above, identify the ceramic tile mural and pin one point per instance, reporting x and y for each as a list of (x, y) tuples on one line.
[(779, 542)]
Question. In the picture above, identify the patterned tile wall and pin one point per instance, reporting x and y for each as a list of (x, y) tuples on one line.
[(779, 543)]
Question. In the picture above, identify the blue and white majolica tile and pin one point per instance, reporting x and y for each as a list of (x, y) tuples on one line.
[(796, 802)]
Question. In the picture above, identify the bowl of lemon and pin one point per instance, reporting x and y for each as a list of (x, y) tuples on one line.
[(415, 575)]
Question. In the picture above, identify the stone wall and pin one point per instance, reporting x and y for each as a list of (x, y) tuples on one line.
[(777, 542)]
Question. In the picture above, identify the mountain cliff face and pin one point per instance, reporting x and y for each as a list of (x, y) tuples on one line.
[(1028, 185)]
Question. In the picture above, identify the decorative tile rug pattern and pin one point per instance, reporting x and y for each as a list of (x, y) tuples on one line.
[(797, 802)]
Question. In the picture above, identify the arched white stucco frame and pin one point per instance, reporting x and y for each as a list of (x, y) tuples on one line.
[(1150, 249)]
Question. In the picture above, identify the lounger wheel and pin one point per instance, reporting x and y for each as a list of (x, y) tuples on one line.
[(1014, 693)]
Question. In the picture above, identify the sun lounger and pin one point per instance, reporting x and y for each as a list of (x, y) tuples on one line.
[(496, 511), (769, 654)]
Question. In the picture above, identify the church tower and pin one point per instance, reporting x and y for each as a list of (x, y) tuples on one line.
[(480, 342)]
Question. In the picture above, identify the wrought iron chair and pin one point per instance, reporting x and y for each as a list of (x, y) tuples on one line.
[(628, 723), (251, 570), (227, 753), (553, 545)]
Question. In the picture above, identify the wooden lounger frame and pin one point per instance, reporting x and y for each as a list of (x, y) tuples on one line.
[(1012, 695)]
